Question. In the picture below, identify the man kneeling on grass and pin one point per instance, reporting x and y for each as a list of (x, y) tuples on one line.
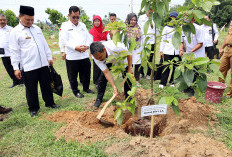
[(100, 52)]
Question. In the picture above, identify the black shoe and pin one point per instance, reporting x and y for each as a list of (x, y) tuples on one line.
[(89, 91), (33, 113), (53, 106), (79, 95), (13, 85), (1, 119), (97, 103)]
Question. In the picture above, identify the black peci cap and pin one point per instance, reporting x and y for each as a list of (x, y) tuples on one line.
[(27, 10)]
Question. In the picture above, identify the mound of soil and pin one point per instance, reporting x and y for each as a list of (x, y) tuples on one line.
[(85, 127), (174, 145), (175, 132)]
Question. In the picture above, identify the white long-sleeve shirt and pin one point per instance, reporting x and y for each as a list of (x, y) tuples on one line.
[(208, 34), (4, 39), (72, 36), (28, 47), (111, 49), (150, 32), (168, 48), (195, 39)]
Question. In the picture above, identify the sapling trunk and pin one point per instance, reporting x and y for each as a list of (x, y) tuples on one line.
[(170, 75), (152, 70)]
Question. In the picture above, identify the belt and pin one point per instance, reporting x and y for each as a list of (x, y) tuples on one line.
[(228, 45)]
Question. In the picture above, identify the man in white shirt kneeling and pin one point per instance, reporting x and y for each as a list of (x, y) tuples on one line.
[(100, 52)]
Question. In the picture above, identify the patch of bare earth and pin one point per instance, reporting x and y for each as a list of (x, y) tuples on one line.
[(178, 136)]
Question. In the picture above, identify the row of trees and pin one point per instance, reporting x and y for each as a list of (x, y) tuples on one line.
[(221, 14)]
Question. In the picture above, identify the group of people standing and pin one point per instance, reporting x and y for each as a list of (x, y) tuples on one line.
[(29, 49)]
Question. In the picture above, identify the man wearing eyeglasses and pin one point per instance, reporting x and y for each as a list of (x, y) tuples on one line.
[(74, 41), (4, 49)]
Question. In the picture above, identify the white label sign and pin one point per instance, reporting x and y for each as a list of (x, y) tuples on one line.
[(153, 110)]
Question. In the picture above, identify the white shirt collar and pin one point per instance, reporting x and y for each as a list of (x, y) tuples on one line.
[(71, 24), (23, 27)]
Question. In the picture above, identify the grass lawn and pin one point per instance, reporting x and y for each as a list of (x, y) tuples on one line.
[(21, 135)]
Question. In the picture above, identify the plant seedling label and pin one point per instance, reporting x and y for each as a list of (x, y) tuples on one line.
[(153, 110)]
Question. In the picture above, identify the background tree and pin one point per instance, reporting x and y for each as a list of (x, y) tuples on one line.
[(187, 2), (55, 16), (85, 19), (12, 20), (222, 14)]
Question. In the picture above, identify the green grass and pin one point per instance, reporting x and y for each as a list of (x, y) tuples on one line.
[(21, 135)]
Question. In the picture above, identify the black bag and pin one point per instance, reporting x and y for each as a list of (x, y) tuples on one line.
[(56, 82), (2, 51)]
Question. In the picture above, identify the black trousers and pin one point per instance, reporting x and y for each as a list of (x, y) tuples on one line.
[(31, 79), (102, 82), (210, 52), (150, 60), (9, 68), (137, 72), (165, 74), (81, 67), (96, 73)]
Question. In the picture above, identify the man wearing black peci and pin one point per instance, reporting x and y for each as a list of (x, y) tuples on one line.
[(29, 47)]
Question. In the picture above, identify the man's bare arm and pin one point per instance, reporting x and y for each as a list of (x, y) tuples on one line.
[(110, 79)]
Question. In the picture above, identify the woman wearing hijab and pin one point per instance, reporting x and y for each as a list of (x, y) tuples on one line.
[(167, 51), (98, 35), (135, 31)]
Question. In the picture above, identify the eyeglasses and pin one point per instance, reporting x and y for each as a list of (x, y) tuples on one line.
[(75, 17)]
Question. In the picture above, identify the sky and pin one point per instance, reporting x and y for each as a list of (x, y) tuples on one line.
[(91, 7)]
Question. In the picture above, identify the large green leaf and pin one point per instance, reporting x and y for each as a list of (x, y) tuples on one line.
[(176, 40), (199, 14), (193, 30), (189, 66), (118, 85), (182, 85), (146, 26), (202, 82), (169, 100), (120, 119), (187, 32), (147, 7), (116, 37), (132, 44), (145, 42), (200, 61), (125, 41), (188, 77), (157, 20), (163, 100), (177, 73), (143, 4), (117, 113), (176, 109), (131, 78), (196, 2), (207, 6), (216, 62), (206, 22), (161, 8)]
